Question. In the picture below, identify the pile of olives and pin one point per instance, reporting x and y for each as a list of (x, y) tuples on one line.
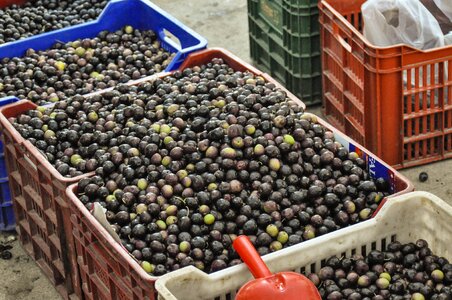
[(39, 16), (185, 163), (83, 66), (402, 271)]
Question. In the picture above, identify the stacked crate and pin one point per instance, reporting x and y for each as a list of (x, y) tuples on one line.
[(285, 42)]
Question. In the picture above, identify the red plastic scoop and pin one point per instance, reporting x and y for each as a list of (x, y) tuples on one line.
[(284, 285)]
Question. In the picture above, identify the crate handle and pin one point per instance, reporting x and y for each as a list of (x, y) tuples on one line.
[(170, 38), (341, 40)]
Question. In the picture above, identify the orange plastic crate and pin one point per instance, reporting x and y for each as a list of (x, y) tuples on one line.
[(396, 101), (42, 214), (107, 271)]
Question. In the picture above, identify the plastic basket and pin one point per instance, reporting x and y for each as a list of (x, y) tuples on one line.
[(397, 101), (41, 205), (432, 223), (140, 14), (284, 41), (7, 221), (41, 211), (107, 269)]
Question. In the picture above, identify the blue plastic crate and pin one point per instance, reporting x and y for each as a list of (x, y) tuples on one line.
[(3, 171), (4, 193), (7, 221), (4, 101), (141, 14)]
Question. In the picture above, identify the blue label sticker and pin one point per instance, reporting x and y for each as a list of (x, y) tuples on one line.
[(375, 168)]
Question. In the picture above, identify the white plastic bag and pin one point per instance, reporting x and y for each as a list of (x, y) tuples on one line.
[(448, 39), (392, 22)]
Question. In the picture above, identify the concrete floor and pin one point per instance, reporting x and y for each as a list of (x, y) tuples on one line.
[(224, 23)]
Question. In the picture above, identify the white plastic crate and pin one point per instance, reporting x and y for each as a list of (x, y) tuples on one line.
[(406, 218)]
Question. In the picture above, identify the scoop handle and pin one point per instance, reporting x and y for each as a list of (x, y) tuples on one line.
[(250, 257)]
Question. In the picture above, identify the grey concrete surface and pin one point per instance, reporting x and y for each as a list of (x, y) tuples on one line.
[(224, 23), (439, 182), (20, 277)]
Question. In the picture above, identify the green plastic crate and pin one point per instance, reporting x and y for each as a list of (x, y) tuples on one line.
[(285, 42)]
